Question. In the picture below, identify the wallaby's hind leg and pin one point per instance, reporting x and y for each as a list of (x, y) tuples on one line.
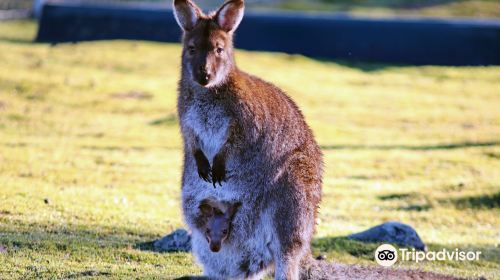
[(294, 227), (287, 270), (287, 255), (296, 202)]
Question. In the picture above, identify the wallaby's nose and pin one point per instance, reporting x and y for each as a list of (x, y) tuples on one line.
[(215, 247), (205, 75)]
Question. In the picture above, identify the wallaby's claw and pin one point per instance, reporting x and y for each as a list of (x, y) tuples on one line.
[(204, 177), (218, 175), (203, 166), (218, 171), (204, 174)]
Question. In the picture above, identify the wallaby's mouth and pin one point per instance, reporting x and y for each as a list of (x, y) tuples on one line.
[(203, 82)]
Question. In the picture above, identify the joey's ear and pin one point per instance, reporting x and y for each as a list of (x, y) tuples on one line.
[(233, 209), (206, 209), (186, 14), (229, 16)]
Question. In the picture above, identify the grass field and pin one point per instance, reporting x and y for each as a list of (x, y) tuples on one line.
[(90, 155)]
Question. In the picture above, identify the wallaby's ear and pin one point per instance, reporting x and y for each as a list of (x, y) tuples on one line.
[(206, 209), (233, 208), (186, 14), (229, 16)]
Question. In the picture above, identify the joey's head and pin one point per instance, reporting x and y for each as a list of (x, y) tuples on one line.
[(217, 219), (207, 55)]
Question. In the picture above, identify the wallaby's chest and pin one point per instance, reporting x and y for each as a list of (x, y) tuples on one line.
[(210, 122)]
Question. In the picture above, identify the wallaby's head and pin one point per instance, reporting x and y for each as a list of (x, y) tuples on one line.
[(207, 55), (217, 220)]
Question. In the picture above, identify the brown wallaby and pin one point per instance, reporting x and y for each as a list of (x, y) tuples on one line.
[(217, 218), (244, 140)]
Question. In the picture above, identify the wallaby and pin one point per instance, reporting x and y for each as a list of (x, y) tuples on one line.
[(217, 217), (244, 140)]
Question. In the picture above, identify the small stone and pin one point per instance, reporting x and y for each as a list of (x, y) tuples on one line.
[(46, 201), (391, 232), (321, 257), (3, 250), (178, 241)]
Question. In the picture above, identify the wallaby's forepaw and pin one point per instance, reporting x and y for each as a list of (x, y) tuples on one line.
[(203, 166), (204, 174), (218, 171)]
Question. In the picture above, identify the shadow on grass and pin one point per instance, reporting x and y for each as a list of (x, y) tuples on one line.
[(416, 207), (487, 202), (493, 155), (450, 146), (88, 273), (342, 245), (16, 41), (34, 236), (170, 119), (397, 196), (146, 246)]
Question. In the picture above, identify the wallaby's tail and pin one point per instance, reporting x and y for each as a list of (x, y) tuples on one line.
[(313, 269)]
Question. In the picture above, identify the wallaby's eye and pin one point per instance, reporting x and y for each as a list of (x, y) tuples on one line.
[(208, 231), (219, 50), (191, 49), (224, 232)]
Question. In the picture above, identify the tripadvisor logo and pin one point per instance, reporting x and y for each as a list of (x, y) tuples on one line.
[(387, 255)]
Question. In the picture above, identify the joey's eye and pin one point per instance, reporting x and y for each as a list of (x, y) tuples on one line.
[(191, 49), (208, 231), (219, 50), (224, 232)]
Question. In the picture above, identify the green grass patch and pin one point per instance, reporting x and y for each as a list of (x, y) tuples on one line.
[(90, 155)]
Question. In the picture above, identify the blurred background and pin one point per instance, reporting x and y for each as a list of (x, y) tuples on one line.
[(91, 155), (434, 8)]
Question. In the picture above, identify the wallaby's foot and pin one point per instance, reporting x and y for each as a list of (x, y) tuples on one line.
[(203, 165), (218, 170)]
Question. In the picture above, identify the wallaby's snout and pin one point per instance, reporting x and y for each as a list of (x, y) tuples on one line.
[(215, 247), (208, 40), (204, 75)]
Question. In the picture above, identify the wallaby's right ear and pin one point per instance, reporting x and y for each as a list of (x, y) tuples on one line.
[(206, 208), (186, 14)]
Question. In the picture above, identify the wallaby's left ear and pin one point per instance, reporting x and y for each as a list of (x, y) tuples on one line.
[(229, 16)]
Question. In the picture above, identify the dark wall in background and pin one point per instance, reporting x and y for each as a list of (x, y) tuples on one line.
[(407, 41)]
